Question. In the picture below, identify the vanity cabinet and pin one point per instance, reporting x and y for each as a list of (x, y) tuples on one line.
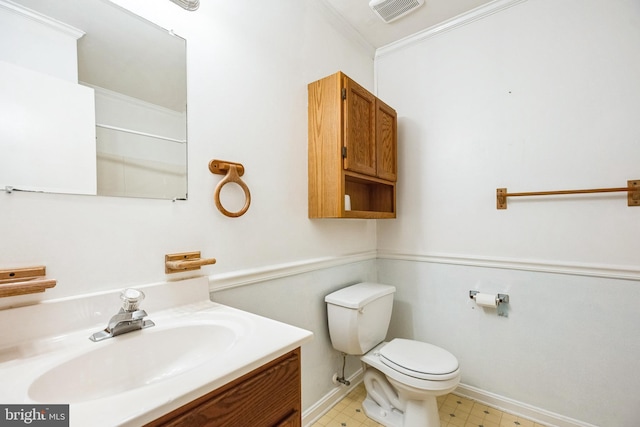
[(269, 396), (352, 151)]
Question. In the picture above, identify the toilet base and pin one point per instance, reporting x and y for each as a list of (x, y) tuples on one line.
[(423, 414), (393, 418)]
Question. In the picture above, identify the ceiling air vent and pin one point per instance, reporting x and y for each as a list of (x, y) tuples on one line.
[(390, 10), (188, 4)]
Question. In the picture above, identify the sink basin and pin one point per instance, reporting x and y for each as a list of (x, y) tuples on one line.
[(131, 361), (196, 346)]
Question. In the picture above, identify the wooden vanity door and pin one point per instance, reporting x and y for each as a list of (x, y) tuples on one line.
[(269, 396)]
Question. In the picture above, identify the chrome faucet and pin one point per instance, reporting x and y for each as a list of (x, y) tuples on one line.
[(128, 319)]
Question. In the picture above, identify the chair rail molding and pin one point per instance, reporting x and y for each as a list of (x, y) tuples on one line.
[(542, 266), (252, 276)]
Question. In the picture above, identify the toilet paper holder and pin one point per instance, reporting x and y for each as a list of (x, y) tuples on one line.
[(500, 298)]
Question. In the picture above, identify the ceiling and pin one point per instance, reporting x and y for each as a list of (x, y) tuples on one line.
[(377, 33)]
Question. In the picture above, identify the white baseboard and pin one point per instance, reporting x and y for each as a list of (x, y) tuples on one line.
[(324, 405), (520, 409), (541, 416)]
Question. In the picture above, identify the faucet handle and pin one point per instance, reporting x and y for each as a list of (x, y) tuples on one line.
[(131, 299)]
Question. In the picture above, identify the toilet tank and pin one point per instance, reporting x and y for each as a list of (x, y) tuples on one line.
[(359, 316)]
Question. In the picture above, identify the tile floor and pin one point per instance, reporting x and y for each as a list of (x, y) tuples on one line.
[(455, 411)]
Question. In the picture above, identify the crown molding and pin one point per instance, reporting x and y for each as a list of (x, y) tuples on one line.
[(40, 18), (344, 27), (453, 23)]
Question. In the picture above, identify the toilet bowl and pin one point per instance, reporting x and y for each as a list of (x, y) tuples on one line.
[(402, 377)]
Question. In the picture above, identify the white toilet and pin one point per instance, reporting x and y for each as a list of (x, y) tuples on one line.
[(402, 377)]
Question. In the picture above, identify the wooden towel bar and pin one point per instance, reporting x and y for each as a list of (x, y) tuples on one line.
[(632, 189)]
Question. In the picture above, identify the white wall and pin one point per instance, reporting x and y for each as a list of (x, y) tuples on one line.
[(299, 300), (248, 68), (37, 42), (249, 64), (571, 68), (568, 348), (542, 96), (39, 104), (46, 124)]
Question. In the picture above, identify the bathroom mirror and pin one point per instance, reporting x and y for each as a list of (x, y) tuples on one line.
[(92, 101)]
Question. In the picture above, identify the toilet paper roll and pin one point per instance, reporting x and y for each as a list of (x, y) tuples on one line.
[(347, 202), (486, 300)]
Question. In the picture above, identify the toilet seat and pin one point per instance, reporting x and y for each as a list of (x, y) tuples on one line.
[(419, 360)]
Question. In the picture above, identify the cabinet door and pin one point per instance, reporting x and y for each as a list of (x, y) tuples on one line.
[(386, 145), (266, 397), (359, 129), (292, 420)]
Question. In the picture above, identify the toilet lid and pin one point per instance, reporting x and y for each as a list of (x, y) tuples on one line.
[(419, 359)]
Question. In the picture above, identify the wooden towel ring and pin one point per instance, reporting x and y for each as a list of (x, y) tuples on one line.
[(232, 173)]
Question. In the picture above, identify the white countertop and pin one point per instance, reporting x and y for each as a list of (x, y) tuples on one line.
[(25, 355)]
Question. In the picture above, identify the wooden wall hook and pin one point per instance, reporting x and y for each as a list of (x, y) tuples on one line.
[(220, 167), (20, 281), (185, 261)]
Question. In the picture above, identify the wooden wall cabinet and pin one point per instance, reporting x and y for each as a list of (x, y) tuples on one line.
[(269, 396), (352, 150)]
